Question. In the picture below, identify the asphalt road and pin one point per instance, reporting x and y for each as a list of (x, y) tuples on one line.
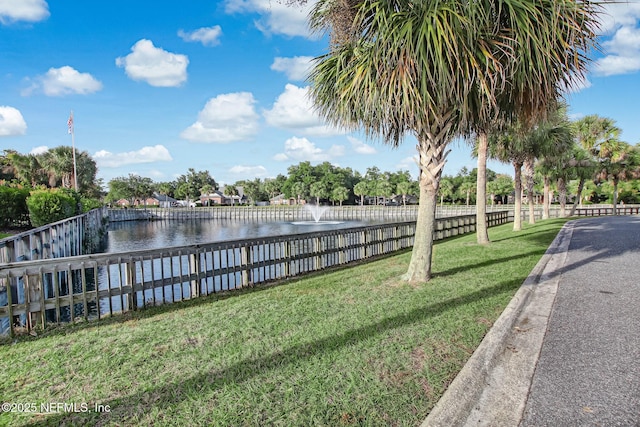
[(588, 371)]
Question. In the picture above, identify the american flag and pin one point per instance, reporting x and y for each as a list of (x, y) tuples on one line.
[(70, 122)]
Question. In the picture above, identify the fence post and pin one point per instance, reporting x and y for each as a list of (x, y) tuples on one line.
[(194, 269), (245, 256), (287, 258), (130, 280)]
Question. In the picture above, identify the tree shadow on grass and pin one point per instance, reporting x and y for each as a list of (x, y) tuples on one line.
[(166, 395)]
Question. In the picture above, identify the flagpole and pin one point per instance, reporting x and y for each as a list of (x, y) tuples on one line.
[(73, 148)]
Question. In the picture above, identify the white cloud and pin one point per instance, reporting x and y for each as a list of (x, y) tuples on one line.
[(251, 171), (302, 149), (360, 147), (623, 53), (225, 118), (63, 81), (154, 65), (39, 150), (157, 153), (11, 122), (409, 163), (276, 17), (296, 68), (208, 36), (619, 14), (23, 10), (294, 110), (623, 48)]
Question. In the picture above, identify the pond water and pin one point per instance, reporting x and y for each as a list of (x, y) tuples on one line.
[(136, 235)]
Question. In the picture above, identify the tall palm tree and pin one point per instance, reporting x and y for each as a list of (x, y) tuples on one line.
[(446, 189), (59, 164), (553, 140), (25, 168), (520, 144), (467, 187), (621, 162), (582, 167), (443, 69), (615, 159)]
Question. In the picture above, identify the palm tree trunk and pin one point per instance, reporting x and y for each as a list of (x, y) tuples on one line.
[(545, 198), (528, 172), (431, 149), (562, 194), (482, 233), (517, 208), (578, 197), (615, 196)]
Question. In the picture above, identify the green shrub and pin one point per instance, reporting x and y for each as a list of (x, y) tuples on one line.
[(90, 204), (14, 206), (47, 206), (629, 197)]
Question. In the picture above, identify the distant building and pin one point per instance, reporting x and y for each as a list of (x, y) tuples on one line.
[(219, 198), (280, 199)]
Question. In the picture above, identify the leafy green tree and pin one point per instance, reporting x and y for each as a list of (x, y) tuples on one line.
[(188, 186), (319, 190), (361, 189), (300, 190), (254, 190), (339, 194), (384, 189), (501, 186), (132, 188), (273, 187)]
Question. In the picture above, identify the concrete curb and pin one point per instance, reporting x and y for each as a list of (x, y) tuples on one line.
[(492, 387)]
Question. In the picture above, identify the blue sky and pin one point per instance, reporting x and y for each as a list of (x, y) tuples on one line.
[(159, 87)]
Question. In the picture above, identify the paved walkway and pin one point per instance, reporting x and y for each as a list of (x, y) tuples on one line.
[(566, 351)]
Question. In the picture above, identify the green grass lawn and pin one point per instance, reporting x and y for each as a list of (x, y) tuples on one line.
[(349, 347)]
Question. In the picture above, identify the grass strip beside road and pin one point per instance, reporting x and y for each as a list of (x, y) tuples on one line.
[(354, 346)]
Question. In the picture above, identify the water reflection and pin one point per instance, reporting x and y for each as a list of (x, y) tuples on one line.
[(135, 235)]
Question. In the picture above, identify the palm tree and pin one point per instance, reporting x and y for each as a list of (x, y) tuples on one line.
[(466, 188), (403, 188), (583, 167), (361, 189), (59, 163), (25, 168), (232, 192), (446, 189), (443, 69), (339, 194), (521, 144), (621, 162), (553, 139), (616, 160)]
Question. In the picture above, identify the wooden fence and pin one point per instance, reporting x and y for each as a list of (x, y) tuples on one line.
[(94, 286), (72, 236), (608, 210)]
